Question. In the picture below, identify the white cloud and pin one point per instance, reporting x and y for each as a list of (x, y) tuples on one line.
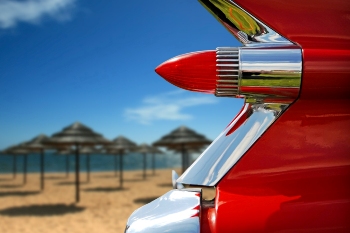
[(33, 11), (167, 106)]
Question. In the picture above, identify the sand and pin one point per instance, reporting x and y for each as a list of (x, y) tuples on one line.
[(103, 206)]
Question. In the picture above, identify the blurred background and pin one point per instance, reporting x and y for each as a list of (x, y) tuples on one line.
[(66, 61)]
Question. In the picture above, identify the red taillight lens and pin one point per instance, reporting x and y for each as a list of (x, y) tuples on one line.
[(192, 71)]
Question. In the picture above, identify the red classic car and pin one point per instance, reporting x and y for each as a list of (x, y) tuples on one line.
[(283, 163)]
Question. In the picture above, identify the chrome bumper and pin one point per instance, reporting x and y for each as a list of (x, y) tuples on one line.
[(176, 211)]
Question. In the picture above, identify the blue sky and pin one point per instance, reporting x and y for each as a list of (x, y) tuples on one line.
[(63, 61)]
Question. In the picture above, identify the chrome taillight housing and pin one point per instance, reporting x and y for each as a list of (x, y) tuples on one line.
[(267, 69), (259, 74)]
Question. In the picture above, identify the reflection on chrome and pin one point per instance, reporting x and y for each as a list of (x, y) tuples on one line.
[(228, 147), (176, 211), (246, 28), (274, 73)]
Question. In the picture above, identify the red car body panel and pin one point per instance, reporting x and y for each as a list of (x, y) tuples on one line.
[(296, 177), (326, 74)]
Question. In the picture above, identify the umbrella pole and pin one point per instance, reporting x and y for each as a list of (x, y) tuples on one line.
[(77, 197), (67, 166), (121, 169), (115, 165), (25, 161), (42, 169), (183, 157), (183, 162), (144, 166), (187, 160), (153, 164), (14, 166), (88, 167)]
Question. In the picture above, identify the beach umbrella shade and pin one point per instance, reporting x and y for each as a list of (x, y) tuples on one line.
[(36, 145), (77, 135), (120, 146), (182, 139), (145, 149), (18, 150)]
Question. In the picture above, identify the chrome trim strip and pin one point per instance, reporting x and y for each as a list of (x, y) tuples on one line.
[(176, 211), (227, 149), (245, 27)]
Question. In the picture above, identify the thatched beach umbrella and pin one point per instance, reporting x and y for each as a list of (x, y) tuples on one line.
[(77, 135), (119, 146), (182, 139), (36, 145), (15, 151), (147, 149)]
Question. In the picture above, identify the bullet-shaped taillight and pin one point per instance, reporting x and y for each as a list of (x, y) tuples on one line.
[(191, 71), (260, 74)]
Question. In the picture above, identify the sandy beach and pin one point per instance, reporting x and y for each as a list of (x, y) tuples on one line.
[(104, 207)]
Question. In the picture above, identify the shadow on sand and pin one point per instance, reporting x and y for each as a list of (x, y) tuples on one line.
[(18, 193), (105, 189), (10, 186), (6, 179), (41, 210), (71, 183), (55, 177), (141, 175), (166, 185), (145, 200), (107, 176), (133, 180)]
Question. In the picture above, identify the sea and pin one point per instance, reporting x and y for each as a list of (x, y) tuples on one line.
[(98, 162)]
